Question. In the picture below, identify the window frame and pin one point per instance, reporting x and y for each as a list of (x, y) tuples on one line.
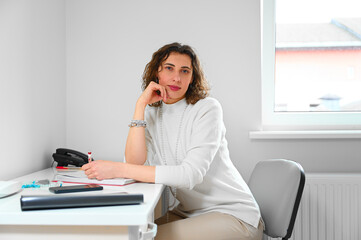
[(272, 120)]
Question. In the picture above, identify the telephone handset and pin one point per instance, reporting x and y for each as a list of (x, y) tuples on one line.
[(65, 156)]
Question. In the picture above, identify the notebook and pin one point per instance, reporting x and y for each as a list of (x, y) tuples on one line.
[(78, 176)]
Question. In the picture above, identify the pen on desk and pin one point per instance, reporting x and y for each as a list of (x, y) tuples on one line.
[(61, 167), (67, 168), (89, 156)]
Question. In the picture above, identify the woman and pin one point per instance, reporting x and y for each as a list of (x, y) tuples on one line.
[(177, 138)]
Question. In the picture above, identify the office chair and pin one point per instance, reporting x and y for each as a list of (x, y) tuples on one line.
[(277, 186)]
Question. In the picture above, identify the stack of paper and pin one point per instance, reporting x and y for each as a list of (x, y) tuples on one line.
[(76, 175)]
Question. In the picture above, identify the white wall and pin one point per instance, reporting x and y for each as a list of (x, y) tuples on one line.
[(32, 84), (109, 43)]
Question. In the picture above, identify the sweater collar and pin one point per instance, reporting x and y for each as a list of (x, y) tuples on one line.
[(180, 104)]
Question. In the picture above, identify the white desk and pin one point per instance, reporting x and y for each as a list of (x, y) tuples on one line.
[(111, 222)]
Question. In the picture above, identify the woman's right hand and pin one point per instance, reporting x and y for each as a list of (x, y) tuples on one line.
[(135, 149), (153, 93)]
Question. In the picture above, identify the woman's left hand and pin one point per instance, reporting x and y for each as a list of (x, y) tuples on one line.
[(102, 169)]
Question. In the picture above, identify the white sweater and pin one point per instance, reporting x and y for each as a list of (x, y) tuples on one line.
[(205, 178)]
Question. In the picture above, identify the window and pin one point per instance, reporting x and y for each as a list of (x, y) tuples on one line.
[(311, 64)]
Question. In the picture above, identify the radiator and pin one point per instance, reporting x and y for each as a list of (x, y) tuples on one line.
[(330, 208)]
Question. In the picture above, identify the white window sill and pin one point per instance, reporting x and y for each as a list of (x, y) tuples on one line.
[(311, 134)]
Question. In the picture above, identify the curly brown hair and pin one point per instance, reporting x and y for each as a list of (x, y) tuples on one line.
[(199, 87)]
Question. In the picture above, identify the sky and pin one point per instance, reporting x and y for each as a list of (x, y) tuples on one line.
[(315, 11)]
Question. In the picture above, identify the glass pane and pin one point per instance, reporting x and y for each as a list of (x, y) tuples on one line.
[(318, 55)]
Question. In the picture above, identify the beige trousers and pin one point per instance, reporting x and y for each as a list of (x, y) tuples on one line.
[(208, 226)]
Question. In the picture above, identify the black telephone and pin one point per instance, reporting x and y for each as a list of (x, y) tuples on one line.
[(65, 156)]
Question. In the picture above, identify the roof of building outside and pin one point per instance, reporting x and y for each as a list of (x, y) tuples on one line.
[(339, 33)]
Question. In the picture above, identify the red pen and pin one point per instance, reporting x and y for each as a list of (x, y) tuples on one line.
[(59, 167), (89, 156), (67, 168)]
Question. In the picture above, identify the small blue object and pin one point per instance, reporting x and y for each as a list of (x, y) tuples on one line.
[(32, 185)]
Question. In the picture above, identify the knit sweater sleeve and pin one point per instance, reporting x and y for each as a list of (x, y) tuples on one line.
[(149, 112), (150, 150), (205, 139)]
